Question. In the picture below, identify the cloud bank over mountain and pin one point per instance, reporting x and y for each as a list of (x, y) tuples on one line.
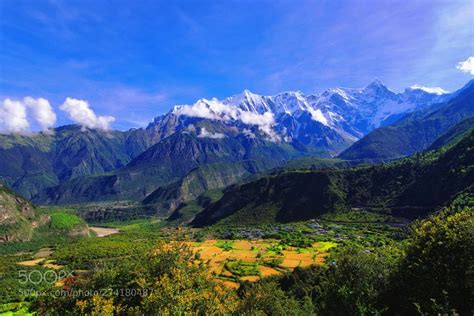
[(24, 116), (30, 115), (204, 133), (80, 112)]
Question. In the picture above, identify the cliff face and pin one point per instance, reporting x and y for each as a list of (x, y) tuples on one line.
[(17, 217), (21, 221)]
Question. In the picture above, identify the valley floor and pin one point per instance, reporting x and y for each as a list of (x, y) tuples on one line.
[(230, 255)]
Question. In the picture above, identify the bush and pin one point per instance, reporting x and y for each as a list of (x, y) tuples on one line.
[(274, 262), (225, 245), (240, 268)]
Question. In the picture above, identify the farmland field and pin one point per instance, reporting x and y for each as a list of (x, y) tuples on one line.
[(251, 260)]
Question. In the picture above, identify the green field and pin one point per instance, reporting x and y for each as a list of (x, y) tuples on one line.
[(64, 221)]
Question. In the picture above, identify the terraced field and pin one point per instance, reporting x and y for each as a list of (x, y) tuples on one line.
[(234, 260)]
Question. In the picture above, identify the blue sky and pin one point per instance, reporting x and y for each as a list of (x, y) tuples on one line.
[(135, 59)]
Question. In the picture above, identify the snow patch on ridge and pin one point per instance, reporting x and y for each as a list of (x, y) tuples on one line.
[(318, 116)]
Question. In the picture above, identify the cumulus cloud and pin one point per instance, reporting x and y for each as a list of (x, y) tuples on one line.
[(27, 115), (203, 133), (80, 112), (41, 112), (216, 110), (467, 65), (13, 117)]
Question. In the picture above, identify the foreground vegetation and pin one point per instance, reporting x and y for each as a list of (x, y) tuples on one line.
[(426, 269)]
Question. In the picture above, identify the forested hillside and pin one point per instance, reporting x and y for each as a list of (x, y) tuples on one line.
[(410, 187)]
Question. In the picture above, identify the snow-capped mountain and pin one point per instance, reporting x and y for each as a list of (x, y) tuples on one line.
[(332, 119)]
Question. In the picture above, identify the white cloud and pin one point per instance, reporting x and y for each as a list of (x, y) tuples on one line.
[(13, 118), (80, 112), (41, 112), (25, 116), (203, 133), (434, 90), (216, 110), (467, 65)]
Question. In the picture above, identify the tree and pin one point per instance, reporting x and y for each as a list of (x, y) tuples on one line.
[(436, 275)]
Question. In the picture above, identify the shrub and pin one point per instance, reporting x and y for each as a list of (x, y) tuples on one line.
[(225, 245)]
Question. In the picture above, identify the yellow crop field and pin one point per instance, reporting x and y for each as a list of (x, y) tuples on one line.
[(234, 260)]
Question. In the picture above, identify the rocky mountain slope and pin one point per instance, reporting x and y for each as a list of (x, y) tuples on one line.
[(167, 162), (17, 217), (22, 221), (414, 132)]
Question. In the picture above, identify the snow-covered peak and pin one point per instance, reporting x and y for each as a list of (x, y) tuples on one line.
[(376, 87), (375, 84), (240, 108), (247, 95), (431, 90), (249, 101), (347, 111), (289, 102), (345, 93)]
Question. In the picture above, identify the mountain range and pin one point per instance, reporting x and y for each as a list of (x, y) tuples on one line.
[(214, 143), (415, 131)]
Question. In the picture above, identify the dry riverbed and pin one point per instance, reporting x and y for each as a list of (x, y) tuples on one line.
[(103, 231)]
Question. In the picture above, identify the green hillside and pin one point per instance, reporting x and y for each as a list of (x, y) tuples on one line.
[(454, 134), (31, 164), (409, 188), (168, 161), (197, 181)]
